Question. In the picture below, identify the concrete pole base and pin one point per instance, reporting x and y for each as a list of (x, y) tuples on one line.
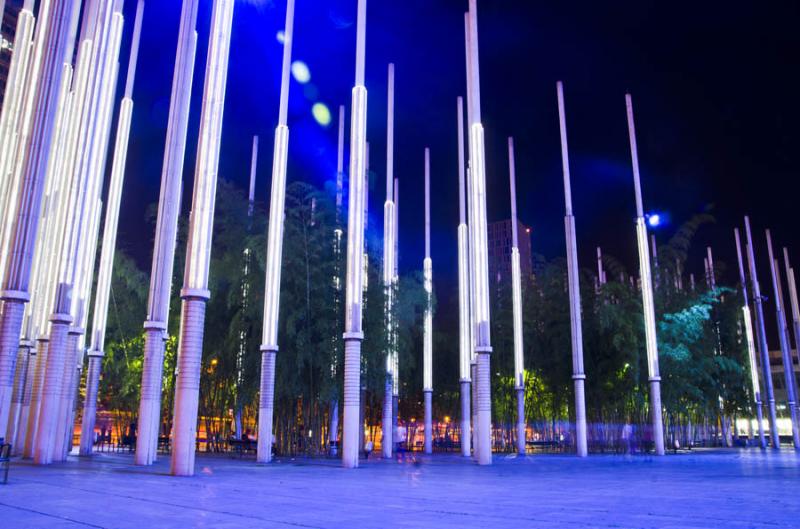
[(428, 421), (474, 394), (581, 445), (20, 380), (266, 403), (484, 405), (386, 420), (187, 386), (42, 351), (65, 400), (51, 390), (466, 433), (150, 402), (333, 430), (655, 411), (521, 430), (90, 405), (352, 397), (762, 439), (10, 326)]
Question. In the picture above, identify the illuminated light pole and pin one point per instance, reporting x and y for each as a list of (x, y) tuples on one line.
[(354, 335), (427, 353), (245, 295), (793, 301), (464, 337), (601, 273), (479, 250), (751, 354), (13, 103), (388, 271), (333, 430), (195, 293), (40, 274), (169, 202), (395, 287), (26, 200), (783, 336), (77, 253), (573, 276), (45, 278), (272, 286), (761, 333), (647, 294), (516, 294), (97, 344)]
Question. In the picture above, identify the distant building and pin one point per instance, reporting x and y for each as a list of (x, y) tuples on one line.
[(9, 29), (500, 238)]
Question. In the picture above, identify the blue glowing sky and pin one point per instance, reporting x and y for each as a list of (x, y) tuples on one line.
[(714, 89)]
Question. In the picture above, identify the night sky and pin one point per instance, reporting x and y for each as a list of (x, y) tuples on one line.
[(714, 85)]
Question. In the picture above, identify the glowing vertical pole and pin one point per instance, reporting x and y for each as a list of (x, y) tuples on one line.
[(516, 295), (464, 341), (10, 117), (169, 201), (573, 276), (761, 334), (647, 293), (427, 353), (783, 338), (388, 271), (97, 344), (751, 354), (601, 273), (395, 287), (479, 250), (77, 254), (793, 302), (354, 335), (272, 286), (27, 199), (195, 293)]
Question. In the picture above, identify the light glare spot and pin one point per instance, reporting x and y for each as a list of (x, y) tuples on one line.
[(321, 114), (300, 72), (280, 36), (654, 220)]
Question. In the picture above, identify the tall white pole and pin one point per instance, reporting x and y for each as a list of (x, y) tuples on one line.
[(783, 338), (169, 202), (464, 335), (269, 345), (195, 293), (573, 276), (11, 115), (761, 334), (26, 201), (647, 293), (516, 295), (395, 286), (97, 346), (388, 272), (354, 335), (793, 302), (751, 354), (427, 353), (479, 250)]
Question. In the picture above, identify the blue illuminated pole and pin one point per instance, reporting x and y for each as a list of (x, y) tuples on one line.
[(354, 335), (464, 320), (751, 355), (389, 271), (573, 276), (272, 286), (654, 376), (761, 334), (427, 353)]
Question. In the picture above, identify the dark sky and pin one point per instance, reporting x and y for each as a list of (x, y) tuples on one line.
[(714, 85)]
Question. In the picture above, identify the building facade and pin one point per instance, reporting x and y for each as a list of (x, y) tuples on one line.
[(500, 242)]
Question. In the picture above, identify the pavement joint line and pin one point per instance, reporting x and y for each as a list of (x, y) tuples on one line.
[(26, 509)]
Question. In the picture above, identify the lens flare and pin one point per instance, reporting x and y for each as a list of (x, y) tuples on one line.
[(321, 114), (300, 72)]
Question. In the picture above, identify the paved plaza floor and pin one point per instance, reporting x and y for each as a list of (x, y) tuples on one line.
[(725, 489)]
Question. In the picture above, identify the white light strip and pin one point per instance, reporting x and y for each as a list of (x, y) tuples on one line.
[(464, 323), (201, 223), (751, 350), (272, 282), (516, 279), (428, 330), (647, 299), (355, 220)]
